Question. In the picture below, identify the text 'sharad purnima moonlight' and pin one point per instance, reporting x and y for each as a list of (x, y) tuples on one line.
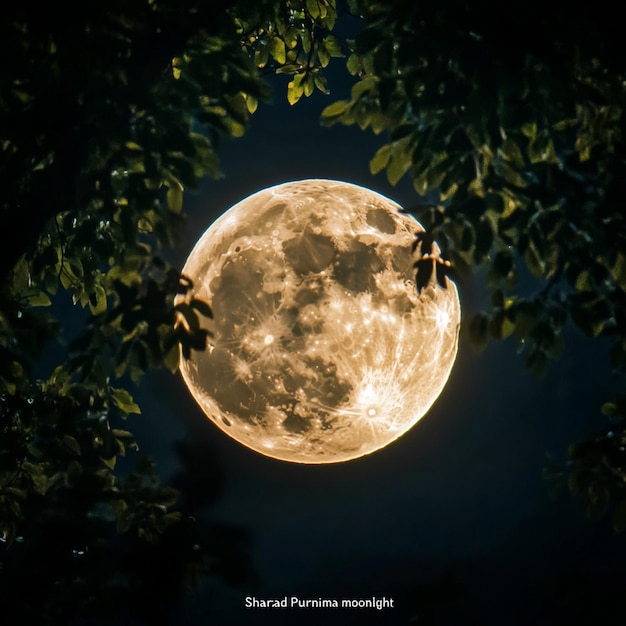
[(294, 602)]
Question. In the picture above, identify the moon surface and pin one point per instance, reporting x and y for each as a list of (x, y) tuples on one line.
[(322, 351)]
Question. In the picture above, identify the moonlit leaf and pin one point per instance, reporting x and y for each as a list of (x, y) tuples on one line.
[(313, 8), (333, 46), (124, 401), (277, 49), (175, 195), (291, 68), (334, 110), (294, 92), (110, 462), (381, 158), (39, 299)]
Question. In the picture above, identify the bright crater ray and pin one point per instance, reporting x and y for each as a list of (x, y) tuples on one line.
[(322, 351)]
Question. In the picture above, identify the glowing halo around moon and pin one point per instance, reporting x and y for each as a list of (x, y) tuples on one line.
[(322, 351)]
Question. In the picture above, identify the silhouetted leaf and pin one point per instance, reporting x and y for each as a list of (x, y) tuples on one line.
[(202, 307), (425, 242), (443, 269), (424, 272), (478, 331), (190, 316)]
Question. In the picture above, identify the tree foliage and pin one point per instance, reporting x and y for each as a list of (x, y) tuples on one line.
[(109, 113), (510, 125)]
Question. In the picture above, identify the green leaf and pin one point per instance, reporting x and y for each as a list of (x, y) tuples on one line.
[(322, 56), (72, 444), (39, 478), (510, 174), (124, 401), (295, 89), (584, 281), (110, 463), (308, 84), (6, 385), (367, 83), (353, 64), (261, 56), (529, 129), (420, 183), (476, 188), (320, 83), (98, 300), (618, 271), (583, 147), (290, 68), (332, 44), (335, 110), (170, 359), (125, 435), (399, 162), (565, 124), (277, 49), (511, 152), (39, 299), (380, 159), (174, 195), (541, 148), (313, 8)]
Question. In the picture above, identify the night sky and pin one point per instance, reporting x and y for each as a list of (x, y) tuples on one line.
[(454, 521)]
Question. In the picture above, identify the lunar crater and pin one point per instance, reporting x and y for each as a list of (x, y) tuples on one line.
[(323, 350)]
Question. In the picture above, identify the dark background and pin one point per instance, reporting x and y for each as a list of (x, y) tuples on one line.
[(454, 521)]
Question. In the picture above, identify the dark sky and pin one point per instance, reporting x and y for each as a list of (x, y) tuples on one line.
[(454, 521)]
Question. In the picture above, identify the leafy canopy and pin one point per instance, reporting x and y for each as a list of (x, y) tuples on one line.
[(510, 125)]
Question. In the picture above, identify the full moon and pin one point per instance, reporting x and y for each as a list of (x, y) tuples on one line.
[(322, 348)]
